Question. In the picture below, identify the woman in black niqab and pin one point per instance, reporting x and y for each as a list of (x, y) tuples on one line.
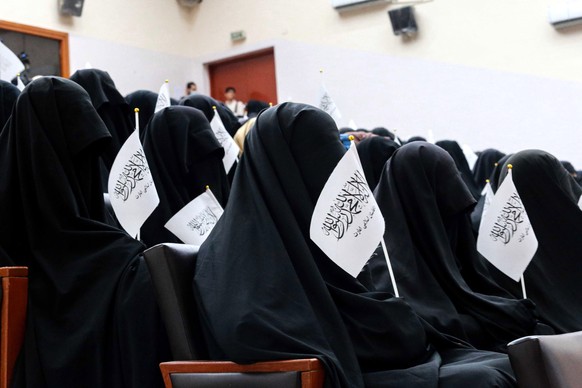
[(374, 152), (145, 101), (265, 291), (456, 152), (437, 268), (111, 107), (8, 95), (184, 157), (92, 318), (485, 165), (550, 196), (206, 104)]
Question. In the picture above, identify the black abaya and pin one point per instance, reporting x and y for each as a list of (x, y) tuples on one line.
[(550, 196), (265, 291), (433, 252), (184, 157), (92, 317)]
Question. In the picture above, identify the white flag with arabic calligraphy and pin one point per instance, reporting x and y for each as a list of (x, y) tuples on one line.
[(10, 64), (327, 104), (163, 98), (506, 236), (131, 187), (194, 222), (347, 223), (231, 149)]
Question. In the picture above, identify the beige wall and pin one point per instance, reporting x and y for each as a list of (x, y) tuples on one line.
[(506, 35)]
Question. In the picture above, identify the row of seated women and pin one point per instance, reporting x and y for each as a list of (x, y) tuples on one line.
[(264, 290)]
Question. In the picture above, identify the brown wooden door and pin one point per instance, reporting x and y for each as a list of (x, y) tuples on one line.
[(252, 75)]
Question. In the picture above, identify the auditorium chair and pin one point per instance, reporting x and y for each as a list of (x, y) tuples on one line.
[(547, 361), (13, 318), (172, 270)]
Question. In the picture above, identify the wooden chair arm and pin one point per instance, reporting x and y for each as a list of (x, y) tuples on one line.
[(312, 369)]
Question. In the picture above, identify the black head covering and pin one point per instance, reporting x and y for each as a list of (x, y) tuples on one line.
[(494, 179), (206, 104), (84, 276), (184, 157), (265, 291), (111, 107), (432, 249), (550, 196), (569, 167), (381, 131), (254, 107), (8, 95), (485, 165), (416, 138), (345, 130), (456, 152), (374, 152), (145, 101)]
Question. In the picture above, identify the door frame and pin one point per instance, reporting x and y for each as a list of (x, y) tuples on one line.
[(62, 37)]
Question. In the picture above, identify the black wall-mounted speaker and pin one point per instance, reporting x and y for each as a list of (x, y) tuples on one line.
[(71, 7), (403, 21)]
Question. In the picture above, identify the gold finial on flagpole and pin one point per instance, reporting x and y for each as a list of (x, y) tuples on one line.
[(270, 104), (207, 187), (487, 181), (136, 110), (214, 107), (496, 164), (18, 75), (351, 137), (320, 71), (167, 81), (510, 166)]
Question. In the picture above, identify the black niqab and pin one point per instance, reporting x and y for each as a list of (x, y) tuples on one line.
[(456, 152), (266, 292), (437, 267), (91, 318), (485, 165), (145, 101), (206, 104), (550, 196), (374, 152), (8, 95), (184, 157)]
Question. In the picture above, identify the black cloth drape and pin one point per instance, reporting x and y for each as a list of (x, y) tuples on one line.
[(456, 152), (8, 95), (265, 291), (145, 101), (206, 104), (437, 268), (550, 196), (92, 317), (485, 165), (184, 157), (374, 152)]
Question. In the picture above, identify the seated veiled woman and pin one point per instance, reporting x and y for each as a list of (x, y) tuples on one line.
[(550, 196), (266, 291), (426, 207), (8, 95), (111, 107), (374, 152), (456, 152), (184, 157), (92, 319)]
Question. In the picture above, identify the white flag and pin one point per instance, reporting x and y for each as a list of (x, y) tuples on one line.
[(347, 223), (10, 65), (196, 220), (231, 149), (488, 196), (327, 104), (132, 191), (580, 203), (352, 124), (430, 137), (470, 155), (163, 98), (506, 236), (19, 83), (397, 140)]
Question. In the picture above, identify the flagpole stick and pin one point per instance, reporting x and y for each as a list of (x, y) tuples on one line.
[(522, 281), (136, 110), (392, 278)]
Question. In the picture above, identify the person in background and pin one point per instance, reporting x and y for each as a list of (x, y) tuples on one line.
[(191, 88), (237, 107)]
